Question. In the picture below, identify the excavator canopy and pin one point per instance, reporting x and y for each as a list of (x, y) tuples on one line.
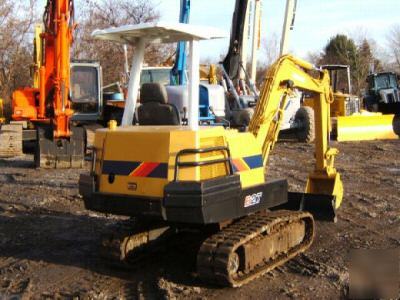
[(139, 35), (160, 32)]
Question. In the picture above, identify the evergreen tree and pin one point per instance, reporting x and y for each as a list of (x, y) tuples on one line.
[(342, 50)]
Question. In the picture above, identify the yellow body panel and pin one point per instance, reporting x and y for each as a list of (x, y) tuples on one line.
[(137, 146), (244, 145), (338, 106), (141, 159)]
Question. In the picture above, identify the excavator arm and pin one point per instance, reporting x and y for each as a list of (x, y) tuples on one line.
[(232, 62), (282, 79), (59, 25)]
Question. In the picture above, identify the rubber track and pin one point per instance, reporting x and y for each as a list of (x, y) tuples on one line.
[(112, 245), (213, 257)]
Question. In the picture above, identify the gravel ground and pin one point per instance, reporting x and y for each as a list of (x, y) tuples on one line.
[(49, 242)]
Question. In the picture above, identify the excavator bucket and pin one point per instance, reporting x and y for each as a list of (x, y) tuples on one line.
[(366, 127), (61, 153), (321, 206), (322, 197)]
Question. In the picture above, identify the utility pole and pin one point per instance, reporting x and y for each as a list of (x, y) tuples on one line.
[(288, 25), (256, 39), (245, 38)]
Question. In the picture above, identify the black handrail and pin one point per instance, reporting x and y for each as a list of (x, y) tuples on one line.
[(226, 160)]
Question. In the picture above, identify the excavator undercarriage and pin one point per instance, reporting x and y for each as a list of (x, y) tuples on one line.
[(232, 256)]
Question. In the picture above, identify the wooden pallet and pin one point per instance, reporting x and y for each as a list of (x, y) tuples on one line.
[(10, 140)]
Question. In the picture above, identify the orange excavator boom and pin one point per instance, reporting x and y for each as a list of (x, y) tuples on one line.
[(58, 38)]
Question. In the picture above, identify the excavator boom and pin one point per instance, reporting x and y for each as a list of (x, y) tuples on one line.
[(284, 76), (232, 62), (58, 37)]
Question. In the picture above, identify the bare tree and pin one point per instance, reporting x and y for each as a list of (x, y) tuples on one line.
[(369, 58), (270, 48), (365, 63), (111, 13), (314, 57), (269, 54), (359, 56), (16, 20), (394, 45)]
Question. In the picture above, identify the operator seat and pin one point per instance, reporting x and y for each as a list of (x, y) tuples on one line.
[(154, 108)]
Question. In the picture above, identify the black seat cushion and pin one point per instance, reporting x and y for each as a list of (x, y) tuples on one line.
[(154, 108), (154, 113), (153, 92)]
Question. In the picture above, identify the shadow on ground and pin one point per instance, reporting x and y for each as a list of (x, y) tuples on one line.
[(66, 239)]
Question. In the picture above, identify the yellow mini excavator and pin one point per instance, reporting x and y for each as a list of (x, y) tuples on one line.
[(210, 178)]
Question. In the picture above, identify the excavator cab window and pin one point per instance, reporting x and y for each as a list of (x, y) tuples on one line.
[(155, 75), (385, 81), (393, 81), (85, 93)]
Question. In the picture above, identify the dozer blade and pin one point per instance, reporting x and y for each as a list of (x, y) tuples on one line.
[(374, 126), (10, 140)]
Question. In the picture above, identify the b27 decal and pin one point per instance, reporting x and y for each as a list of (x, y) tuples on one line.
[(252, 200)]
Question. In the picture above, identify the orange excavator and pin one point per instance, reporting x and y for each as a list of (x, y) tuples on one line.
[(46, 107)]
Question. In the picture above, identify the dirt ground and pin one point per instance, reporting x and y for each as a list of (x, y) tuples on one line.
[(49, 242)]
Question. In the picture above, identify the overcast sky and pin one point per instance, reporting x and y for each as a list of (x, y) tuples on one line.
[(316, 20)]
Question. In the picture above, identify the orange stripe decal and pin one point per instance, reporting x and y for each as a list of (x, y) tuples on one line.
[(240, 165), (144, 169)]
